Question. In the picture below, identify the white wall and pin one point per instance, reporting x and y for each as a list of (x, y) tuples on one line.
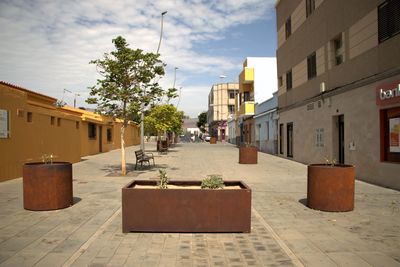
[(265, 77)]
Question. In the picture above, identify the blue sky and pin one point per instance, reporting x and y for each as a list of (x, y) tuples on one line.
[(45, 46)]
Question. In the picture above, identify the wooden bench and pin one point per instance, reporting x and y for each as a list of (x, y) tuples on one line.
[(142, 157)]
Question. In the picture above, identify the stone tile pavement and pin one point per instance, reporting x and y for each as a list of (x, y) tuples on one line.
[(284, 231)]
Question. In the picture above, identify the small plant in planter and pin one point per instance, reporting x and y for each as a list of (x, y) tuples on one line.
[(330, 186), (163, 179), (213, 181), (47, 185)]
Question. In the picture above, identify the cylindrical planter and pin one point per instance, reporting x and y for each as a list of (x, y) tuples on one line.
[(47, 186), (213, 140), (248, 155), (330, 188)]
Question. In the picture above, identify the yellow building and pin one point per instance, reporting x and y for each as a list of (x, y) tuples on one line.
[(31, 126)]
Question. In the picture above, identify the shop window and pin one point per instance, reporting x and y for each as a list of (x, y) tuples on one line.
[(52, 120), (92, 131), (58, 121), (289, 80), (311, 66), (388, 20), (4, 124), (109, 135), (310, 7), (288, 27), (29, 117), (390, 134)]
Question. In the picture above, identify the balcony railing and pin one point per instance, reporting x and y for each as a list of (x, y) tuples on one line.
[(246, 109), (247, 75)]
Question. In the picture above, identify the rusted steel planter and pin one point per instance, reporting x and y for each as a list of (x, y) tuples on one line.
[(330, 188), (47, 186), (162, 145), (213, 140), (248, 155), (186, 210)]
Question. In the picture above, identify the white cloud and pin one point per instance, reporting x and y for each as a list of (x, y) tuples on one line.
[(46, 45)]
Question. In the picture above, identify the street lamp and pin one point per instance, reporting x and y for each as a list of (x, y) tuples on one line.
[(179, 98), (142, 105), (75, 95)]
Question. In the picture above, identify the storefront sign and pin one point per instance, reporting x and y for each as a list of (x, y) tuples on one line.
[(3, 123), (388, 94)]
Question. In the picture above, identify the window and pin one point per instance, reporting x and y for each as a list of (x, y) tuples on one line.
[(280, 81), (338, 50), (77, 124), (311, 66), (52, 120), (231, 109), (267, 130), (29, 117), (289, 80), (58, 121), (319, 137), (109, 134), (281, 138), (92, 130), (388, 20), (390, 134), (231, 94), (4, 124), (288, 27), (310, 7), (289, 137)]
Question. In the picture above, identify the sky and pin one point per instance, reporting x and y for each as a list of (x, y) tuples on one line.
[(46, 46)]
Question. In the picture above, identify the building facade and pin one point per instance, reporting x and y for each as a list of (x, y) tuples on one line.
[(266, 125), (31, 125), (221, 104), (339, 94)]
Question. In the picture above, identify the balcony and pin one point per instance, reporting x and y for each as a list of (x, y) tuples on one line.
[(246, 76), (246, 109)]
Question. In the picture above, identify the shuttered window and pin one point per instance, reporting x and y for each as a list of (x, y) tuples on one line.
[(388, 19)]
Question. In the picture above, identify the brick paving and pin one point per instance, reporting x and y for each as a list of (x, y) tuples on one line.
[(284, 231)]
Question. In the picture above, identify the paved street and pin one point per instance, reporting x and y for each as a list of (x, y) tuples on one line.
[(284, 231)]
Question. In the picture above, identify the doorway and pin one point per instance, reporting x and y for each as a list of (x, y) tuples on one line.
[(341, 138), (289, 130)]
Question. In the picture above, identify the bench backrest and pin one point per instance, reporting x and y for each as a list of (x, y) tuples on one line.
[(139, 153)]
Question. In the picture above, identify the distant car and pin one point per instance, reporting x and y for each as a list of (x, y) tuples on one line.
[(207, 139)]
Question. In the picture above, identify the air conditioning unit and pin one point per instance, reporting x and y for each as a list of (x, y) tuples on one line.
[(322, 87)]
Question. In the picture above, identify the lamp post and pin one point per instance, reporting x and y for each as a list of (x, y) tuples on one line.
[(174, 77), (179, 98), (142, 104), (75, 99)]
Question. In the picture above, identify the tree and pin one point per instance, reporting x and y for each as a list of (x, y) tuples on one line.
[(128, 79), (164, 118), (202, 120)]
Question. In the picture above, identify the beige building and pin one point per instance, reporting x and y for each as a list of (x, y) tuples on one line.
[(339, 84), (31, 125), (221, 105)]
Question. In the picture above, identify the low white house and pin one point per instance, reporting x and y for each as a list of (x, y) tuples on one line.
[(266, 125)]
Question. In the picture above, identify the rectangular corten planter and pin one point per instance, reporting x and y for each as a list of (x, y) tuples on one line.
[(186, 210)]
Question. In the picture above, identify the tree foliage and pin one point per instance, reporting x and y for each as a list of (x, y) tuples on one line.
[(163, 118), (202, 120), (128, 79)]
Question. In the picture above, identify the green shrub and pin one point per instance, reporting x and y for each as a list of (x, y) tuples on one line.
[(212, 182), (163, 181)]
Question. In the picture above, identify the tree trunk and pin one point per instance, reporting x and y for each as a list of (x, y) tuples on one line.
[(123, 161)]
